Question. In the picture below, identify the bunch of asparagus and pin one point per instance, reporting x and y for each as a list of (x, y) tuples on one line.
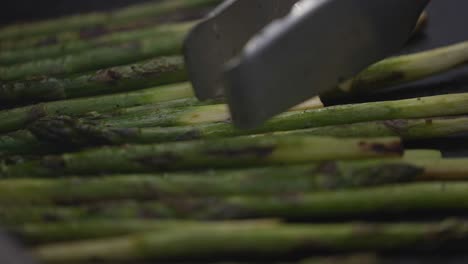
[(107, 157)]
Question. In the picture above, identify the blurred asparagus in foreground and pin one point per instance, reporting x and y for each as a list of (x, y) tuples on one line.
[(288, 180), (225, 153), (35, 233), (158, 71), (263, 240), (258, 181), (406, 201)]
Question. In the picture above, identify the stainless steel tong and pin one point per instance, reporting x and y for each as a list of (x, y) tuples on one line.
[(11, 252), (266, 56)]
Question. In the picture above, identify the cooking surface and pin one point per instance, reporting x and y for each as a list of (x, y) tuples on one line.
[(447, 20)]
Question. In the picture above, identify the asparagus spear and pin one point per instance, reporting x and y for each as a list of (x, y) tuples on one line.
[(20, 117), (422, 22), (408, 129), (433, 106), (49, 134), (261, 241), (387, 202), (100, 31), (136, 12), (176, 116), (96, 59), (79, 230), (158, 71), (353, 259), (53, 51), (19, 215), (38, 139), (62, 38), (8, 57), (409, 108), (23, 142), (258, 181), (225, 153), (404, 69), (319, 176), (423, 154)]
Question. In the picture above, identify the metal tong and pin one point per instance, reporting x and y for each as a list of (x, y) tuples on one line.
[(266, 56), (11, 252)]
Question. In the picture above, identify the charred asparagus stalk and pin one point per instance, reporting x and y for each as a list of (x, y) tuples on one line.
[(53, 51), (143, 11), (387, 202), (259, 181), (94, 32), (433, 106), (408, 129), (35, 233), (353, 259), (98, 132), (265, 241), (95, 59), (403, 109), (163, 70), (49, 134), (225, 153), (314, 177), (20, 117), (124, 128)]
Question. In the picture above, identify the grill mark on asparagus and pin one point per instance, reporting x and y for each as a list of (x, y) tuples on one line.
[(107, 76), (161, 161), (397, 126), (380, 148), (255, 151), (36, 112)]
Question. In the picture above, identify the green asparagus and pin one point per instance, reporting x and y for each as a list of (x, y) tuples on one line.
[(264, 241), (35, 233), (333, 175), (408, 129), (404, 69), (78, 133), (98, 58), (223, 153), (353, 259), (163, 70), (387, 202), (422, 154), (424, 107), (125, 128), (97, 32), (133, 13), (258, 181), (53, 51), (19, 118)]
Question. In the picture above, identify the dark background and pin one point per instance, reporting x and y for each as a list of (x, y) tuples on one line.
[(447, 25), (27, 10)]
